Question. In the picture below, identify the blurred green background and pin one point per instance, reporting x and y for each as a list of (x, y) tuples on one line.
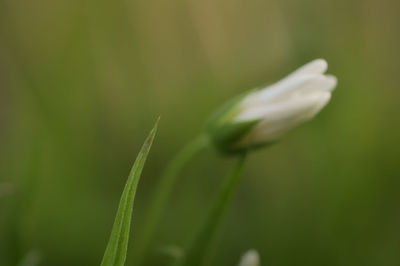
[(82, 82)]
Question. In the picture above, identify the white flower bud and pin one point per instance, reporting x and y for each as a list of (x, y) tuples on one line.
[(250, 258), (262, 116)]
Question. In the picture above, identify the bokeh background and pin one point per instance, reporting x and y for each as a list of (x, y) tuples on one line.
[(82, 82)]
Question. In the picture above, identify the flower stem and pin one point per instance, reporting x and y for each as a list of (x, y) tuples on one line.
[(197, 251), (161, 195)]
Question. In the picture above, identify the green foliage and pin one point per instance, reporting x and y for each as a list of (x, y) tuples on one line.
[(80, 81), (197, 252), (115, 254), (162, 193)]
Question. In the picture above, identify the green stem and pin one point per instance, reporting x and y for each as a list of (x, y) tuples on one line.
[(19, 205), (197, 251), (161, 195)]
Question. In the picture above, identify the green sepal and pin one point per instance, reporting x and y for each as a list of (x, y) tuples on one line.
[(225, 113), (223, 132), (227, 137), (226, 134)]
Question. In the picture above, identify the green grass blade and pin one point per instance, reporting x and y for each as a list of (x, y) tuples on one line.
[(116, 250)]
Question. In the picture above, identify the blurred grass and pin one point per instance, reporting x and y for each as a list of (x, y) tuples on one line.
[(81, 81)]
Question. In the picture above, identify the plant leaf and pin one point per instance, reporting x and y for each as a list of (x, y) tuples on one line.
[(115, 254)]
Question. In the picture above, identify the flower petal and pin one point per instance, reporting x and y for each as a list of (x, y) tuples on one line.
[(280, 110), (250, 258), (289, 87), (317, 66), (277, 119), (317, 83), (275, 91)]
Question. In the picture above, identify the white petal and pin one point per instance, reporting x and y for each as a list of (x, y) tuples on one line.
[(283, 109), (288, 87), (317, 66), (317, 83), (280, 89), (250, 258), (290, 83), (331, 81), (280, 118)]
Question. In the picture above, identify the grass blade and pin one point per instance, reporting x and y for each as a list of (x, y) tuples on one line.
[(115, 253)]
